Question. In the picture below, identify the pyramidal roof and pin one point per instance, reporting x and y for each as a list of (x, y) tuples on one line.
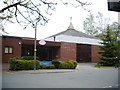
[(72, 32), (73, 36)]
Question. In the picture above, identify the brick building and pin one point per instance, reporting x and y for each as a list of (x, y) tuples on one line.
[(67, 45)]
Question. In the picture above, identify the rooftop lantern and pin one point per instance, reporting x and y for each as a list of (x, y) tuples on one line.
[(71, 27)]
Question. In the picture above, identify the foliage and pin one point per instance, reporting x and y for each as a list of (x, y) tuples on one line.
[(27, 12), (106, 63), (110, 49), (69, 64), (56, 63), (95, 25), (115, 27), (47, 66), (98, 65), (16, 64), (89, 25), (29, 58), (32, 12), (74, 62)]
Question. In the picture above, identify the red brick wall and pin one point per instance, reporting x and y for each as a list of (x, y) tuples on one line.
[(94, 53), (68, 51), (48, 43), (11, 42)]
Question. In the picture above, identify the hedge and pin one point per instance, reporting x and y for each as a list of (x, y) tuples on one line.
[(22, 64), (47, 66), (71, 64), (29, 58), (16, 64)]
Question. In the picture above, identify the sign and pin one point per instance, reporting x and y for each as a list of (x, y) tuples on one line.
[(42, 42), (45, 63)]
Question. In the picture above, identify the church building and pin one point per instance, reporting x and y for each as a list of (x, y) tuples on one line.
[(67, 45)]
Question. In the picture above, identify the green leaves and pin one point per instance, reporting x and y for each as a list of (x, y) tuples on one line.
[(26, 4), (110, 48)]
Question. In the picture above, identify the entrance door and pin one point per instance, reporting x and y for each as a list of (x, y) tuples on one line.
[(83, 53), (47, 53), (27, 50)]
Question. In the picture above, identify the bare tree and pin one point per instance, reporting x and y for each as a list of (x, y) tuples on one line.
[(30, 12), (26, 12)]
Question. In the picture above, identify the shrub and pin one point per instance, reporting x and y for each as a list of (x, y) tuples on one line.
[(98, 66), (56, 63), (63, 65), (28, 58), (13, 64), (47, 66), (74, 63), (71, 64), (22, 64)]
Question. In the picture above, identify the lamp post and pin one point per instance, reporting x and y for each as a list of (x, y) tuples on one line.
[(35, 50)]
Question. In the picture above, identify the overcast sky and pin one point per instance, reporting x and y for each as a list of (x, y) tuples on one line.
[(61, 18)]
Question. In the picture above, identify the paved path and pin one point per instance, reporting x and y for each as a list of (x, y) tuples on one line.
[(84, 76)]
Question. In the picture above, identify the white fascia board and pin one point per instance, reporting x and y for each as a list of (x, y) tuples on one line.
[(113, 0), (73, 39)]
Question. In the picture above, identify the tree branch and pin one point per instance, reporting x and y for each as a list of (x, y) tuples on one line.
[(35, 11), (13, 5), (82, 4)]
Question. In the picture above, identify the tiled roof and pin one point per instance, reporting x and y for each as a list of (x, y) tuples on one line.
[(73, 36), (73, 32)]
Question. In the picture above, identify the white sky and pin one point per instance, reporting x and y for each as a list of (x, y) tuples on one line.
[(61, 18)]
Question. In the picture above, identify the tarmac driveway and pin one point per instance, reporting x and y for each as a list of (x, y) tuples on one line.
[(84, 76)]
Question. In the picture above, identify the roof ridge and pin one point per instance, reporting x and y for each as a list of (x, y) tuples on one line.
[(70, 32)]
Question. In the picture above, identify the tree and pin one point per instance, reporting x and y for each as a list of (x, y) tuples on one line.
[(94, 25), (26, 12), (115, 26), (110, 49), (29, 12), (101, 23), (89, 25)]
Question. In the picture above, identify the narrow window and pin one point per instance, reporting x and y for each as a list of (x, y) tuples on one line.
[(6, 50), (10, 50)]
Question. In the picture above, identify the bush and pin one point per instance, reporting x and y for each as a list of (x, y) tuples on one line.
[(22, 64), (56, 63), (74, 63), (98, 66), (71, 64), (13, 64), (64, 65), (28, 58), (47, 66)]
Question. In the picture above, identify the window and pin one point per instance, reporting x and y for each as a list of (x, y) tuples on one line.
[(8, 50)]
